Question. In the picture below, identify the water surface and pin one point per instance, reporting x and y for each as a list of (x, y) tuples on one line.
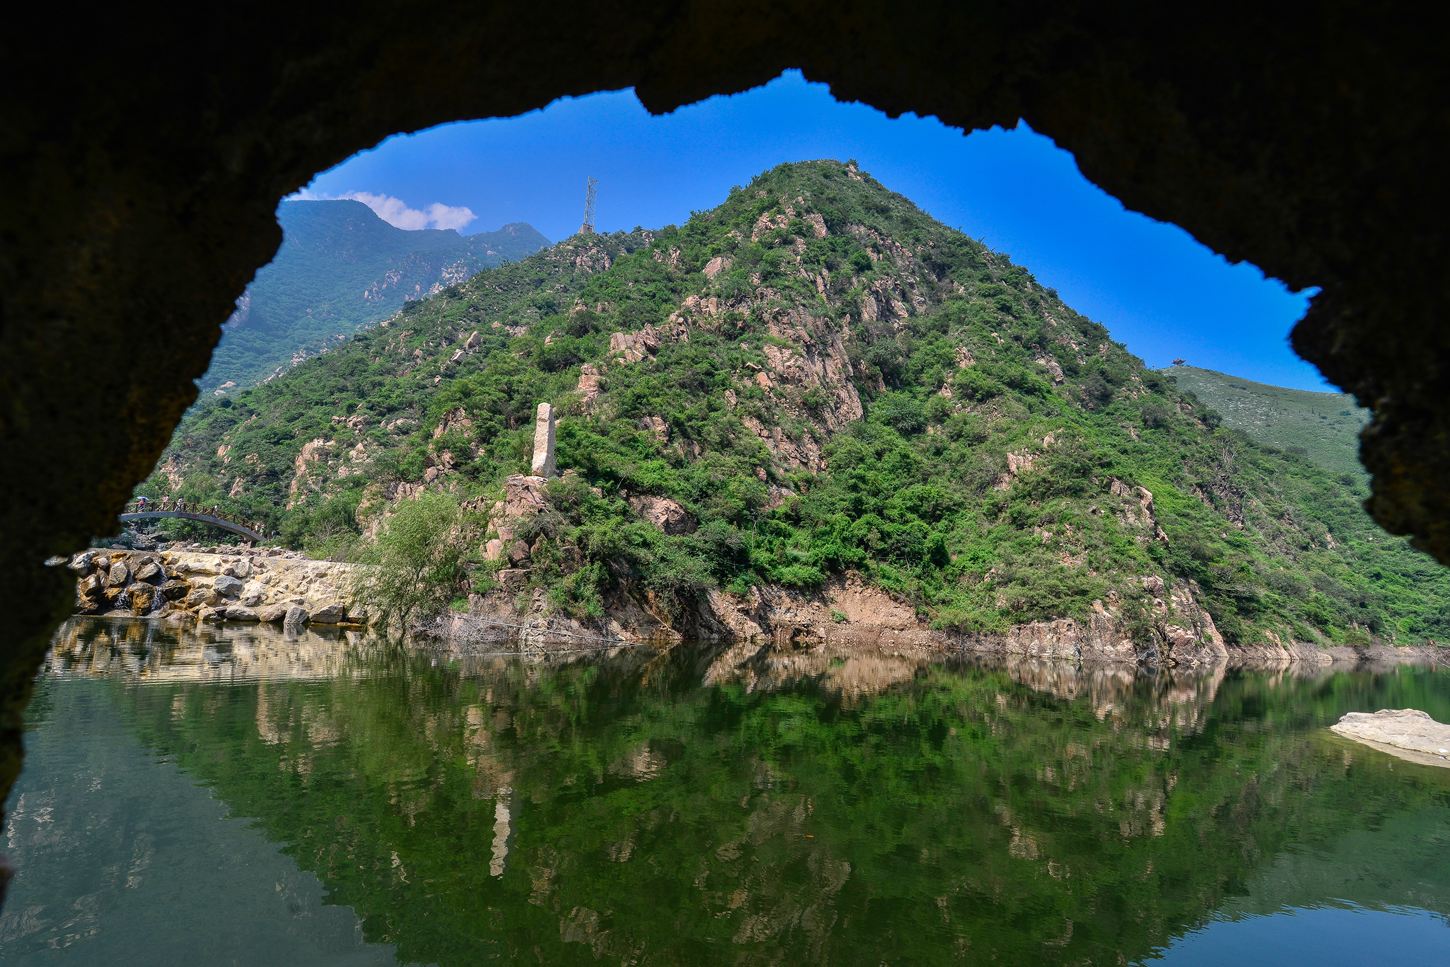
[(233, 796)]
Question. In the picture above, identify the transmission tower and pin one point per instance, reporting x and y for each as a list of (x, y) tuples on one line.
[(590, 187)]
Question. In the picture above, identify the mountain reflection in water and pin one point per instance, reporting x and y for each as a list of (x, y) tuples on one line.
[(699, 806)]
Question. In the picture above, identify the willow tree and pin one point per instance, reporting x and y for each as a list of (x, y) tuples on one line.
[(419, 559)]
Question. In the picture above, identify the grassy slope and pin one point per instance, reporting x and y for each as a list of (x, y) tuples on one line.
[(963, 364), (1323, 427)]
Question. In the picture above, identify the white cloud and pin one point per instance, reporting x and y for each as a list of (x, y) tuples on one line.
[(449, 216), (396, 212)]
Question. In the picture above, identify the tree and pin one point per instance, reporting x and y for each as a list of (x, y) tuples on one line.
[(419, 558)]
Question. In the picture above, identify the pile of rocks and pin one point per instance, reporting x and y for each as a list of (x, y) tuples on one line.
[(240, 586)]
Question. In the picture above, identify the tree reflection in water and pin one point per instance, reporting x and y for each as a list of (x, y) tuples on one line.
[(699, 806)]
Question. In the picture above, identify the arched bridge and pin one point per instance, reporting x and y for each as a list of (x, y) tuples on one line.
[(226, 525)]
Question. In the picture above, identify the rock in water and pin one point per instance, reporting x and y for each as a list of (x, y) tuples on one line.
[(295, 619), (328, 614), (1405, 732), (119, 575), (543, 464), (273, 613)]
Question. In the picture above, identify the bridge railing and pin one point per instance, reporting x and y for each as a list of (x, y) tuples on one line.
[(214, 521)]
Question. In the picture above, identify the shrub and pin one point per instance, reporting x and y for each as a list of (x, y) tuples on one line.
[(417, 563)]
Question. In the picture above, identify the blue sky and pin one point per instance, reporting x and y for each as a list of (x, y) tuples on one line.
[(1156, 289)]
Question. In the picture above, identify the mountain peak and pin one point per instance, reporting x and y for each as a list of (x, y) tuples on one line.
[(810, 385)]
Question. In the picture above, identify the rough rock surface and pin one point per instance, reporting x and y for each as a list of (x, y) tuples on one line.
[(131, 197), (850, 617), (1405, 732), (664, 513), (523, 498), (209, 587)]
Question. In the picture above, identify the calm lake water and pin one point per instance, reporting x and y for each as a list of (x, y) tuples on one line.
[(232, 797)]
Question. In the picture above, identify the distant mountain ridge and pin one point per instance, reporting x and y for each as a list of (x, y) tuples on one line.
[(1319, 426), (342, 267)]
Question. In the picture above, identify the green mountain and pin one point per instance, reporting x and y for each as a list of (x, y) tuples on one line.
[(815, 380), (341, 267), (1322, 427)]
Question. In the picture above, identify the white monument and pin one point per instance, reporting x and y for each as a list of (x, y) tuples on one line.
[(543, 465)]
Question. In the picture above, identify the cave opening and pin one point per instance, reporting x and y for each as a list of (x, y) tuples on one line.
[(141, 203)]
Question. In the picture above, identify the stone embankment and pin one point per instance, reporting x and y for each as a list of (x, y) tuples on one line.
[(253, 585)]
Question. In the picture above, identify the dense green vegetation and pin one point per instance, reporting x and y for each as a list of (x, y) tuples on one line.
[(341, 267), (851, 386), (653, 820), (1321, 427), (418, 560)]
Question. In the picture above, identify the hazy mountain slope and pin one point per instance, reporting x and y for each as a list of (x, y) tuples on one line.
[(812, 379), (340, 267), (1324, 427)]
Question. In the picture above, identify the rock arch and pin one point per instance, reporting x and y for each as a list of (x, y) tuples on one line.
[(143, 156)]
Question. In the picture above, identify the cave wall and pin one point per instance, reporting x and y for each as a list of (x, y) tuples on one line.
[(143, 156)]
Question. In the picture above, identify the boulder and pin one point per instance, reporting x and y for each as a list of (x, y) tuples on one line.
[(1404, 732), (201, 597), (150, 572), (664, 513), (212, 615), (242, 569), (328, 614), (174, 590), (119, 575), (141, 597), (273, 613), (81, 563), (295, 619), (237, 612), (227, 586)]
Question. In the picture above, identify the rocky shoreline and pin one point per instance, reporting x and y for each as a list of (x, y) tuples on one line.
[(850, 617), (270, 586), (847, 617)]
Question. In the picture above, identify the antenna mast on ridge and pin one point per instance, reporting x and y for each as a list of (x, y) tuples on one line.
[(590, 187)]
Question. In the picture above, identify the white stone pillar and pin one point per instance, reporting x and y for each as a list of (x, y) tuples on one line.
[(543, 464)]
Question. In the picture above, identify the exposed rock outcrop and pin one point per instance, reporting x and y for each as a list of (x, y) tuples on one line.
[(1406, 732), (524, 497), (664, 513)]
